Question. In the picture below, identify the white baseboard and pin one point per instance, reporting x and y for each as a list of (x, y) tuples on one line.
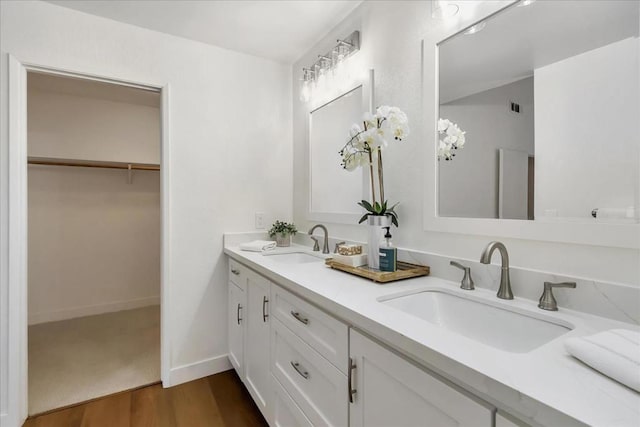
[(89, 310), (196, 370)]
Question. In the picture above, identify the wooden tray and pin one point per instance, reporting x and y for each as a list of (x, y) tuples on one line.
[(405, 271)]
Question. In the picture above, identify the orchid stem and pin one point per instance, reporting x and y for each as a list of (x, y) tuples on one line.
[(380, 177), (373, 188)]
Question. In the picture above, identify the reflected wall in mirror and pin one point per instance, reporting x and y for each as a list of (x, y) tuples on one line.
[(548, 95), (334, 190)]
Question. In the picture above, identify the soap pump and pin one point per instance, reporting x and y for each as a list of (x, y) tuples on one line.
[(388, 254)]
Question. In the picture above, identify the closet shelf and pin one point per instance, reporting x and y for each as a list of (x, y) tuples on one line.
[(92, 164)]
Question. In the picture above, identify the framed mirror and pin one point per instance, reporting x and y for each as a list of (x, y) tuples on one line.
[(537, 96), (333, 191)]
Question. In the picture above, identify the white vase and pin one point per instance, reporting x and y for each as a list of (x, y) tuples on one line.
[(375, 224), (283, 240)]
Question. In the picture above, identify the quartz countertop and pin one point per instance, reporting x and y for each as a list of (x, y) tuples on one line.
[(545, 386)]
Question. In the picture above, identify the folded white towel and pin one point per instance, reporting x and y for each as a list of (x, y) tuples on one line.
[(258, 246), (615, 353)]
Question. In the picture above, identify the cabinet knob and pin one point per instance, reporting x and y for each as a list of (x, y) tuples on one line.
[(299, 318), (304, 374)]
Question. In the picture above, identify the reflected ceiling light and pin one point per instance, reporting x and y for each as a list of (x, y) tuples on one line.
[(475, 28), (524, 3), (442, 9), (327, 66)]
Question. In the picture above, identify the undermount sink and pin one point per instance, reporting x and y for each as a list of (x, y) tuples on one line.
[(293, 257), (489, 324)]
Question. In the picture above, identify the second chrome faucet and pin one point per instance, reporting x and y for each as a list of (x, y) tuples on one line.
[(504, 292)]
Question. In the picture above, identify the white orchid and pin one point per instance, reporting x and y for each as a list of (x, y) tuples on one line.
[(454, 138), (388, 123)]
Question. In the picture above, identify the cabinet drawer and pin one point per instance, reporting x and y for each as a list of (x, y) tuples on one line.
[(316, 386), (237, 273), (285, 412), (325, 334)]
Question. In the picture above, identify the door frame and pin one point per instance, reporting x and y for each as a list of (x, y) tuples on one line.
[(17, 324)]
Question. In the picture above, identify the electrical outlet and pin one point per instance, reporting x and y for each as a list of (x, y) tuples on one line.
[(259, 220)]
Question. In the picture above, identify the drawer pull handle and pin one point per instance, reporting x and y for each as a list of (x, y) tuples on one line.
[(352, 391), (238, 313), (265, 300), (299, 318), (304, 374), (234, 271)]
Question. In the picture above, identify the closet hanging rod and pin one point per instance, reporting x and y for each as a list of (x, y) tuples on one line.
[(92, 164)]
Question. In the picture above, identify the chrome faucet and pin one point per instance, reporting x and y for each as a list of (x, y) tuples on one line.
[(504, 292), (547, 301), (467, 281), (325, 245)]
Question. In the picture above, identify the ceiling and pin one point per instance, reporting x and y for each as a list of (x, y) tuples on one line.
[(279, 30), (520, 39)]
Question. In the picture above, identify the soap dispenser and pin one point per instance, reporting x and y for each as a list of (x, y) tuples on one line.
[(388, 254)]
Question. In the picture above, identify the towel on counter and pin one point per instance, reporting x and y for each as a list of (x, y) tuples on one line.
[(258, 246), (615, 353)]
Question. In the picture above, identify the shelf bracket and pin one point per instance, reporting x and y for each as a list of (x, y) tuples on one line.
[(129, 174)]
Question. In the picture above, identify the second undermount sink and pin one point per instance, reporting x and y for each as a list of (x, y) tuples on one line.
[(294, 257), (480, 321)]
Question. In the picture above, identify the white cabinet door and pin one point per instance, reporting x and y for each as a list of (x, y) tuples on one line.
[(390, 391), (257, 349), (235, 326), (285, 411)]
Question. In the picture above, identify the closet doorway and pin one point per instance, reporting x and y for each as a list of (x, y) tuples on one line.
[(94, 239)]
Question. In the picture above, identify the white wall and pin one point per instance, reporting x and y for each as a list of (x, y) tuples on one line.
[(468, 184), (391, 44), (94, 239), (230, 117), (596, 121), (82, 127), (5, 413)]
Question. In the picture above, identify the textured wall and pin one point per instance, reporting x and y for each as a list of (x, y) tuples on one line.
[(230, 127), (392, 33)]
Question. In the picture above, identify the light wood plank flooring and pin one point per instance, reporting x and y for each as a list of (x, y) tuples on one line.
[(216, 401)]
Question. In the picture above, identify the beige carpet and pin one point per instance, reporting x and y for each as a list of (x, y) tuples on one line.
[(75, 360)]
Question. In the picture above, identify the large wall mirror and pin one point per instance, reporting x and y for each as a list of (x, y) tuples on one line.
[(548, 95), (333, 191)]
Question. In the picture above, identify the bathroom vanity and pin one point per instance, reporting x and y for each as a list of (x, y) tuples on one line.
[(315, 346)]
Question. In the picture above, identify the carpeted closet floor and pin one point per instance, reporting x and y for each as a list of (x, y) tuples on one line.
[(75, 360)]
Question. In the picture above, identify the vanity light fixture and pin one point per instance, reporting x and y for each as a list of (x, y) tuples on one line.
[(326, 66), (442, 9), (525, 3), (475, 28)]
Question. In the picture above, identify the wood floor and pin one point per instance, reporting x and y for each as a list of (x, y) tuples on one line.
[(216, 401)]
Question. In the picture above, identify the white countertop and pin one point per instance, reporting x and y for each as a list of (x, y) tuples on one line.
[(545, 386)]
